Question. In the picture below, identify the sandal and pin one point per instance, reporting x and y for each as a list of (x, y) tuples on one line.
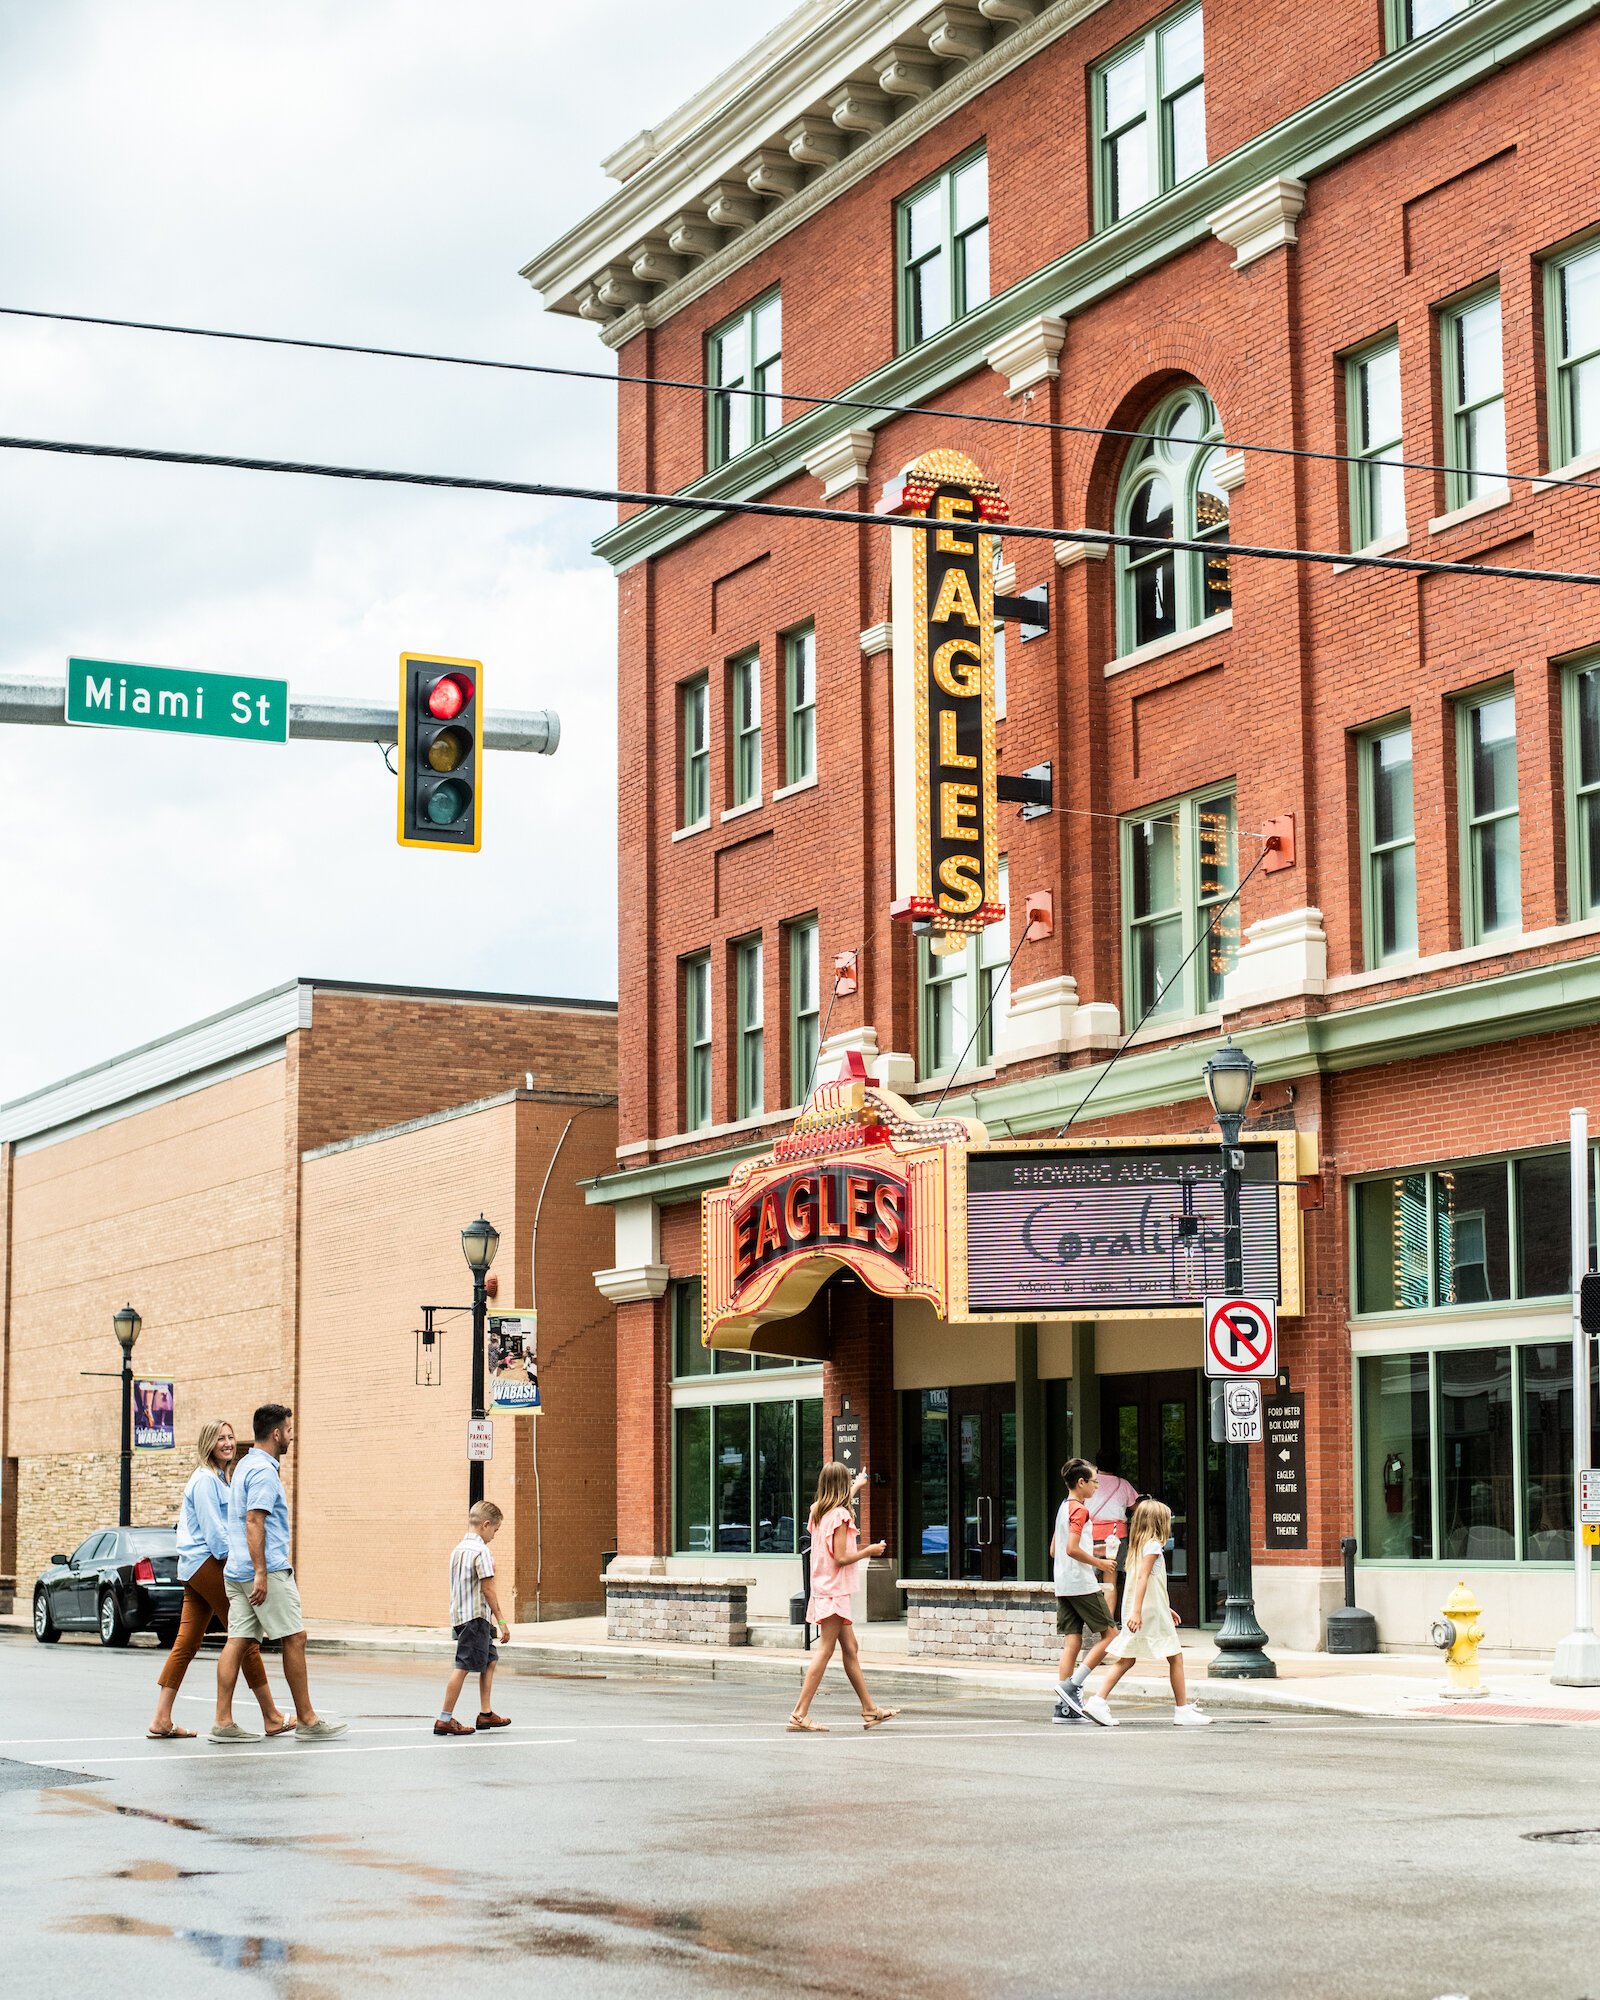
[(169, 1734), (873, 1716), (806, 1727), (284, 1728)]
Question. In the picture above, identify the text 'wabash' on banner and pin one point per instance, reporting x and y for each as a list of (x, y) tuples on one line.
[(947, 864)]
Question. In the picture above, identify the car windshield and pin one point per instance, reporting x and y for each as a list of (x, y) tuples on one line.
[(150, 1541)]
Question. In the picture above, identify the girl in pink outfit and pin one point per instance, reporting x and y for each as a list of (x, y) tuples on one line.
[(835, 1547)]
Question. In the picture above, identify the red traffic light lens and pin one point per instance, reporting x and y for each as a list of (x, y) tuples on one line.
[(448, 697)]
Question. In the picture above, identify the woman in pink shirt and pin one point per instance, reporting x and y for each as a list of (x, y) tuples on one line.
[(835, 1549)]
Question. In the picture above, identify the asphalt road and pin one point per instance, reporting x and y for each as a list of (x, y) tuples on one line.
[(640, 1837)]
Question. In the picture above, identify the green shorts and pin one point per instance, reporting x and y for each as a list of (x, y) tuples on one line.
[(1076, 1615)]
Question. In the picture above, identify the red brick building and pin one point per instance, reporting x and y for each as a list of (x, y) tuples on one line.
[(1287, 249)]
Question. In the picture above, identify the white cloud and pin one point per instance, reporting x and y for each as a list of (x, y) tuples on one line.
[(344, 169)]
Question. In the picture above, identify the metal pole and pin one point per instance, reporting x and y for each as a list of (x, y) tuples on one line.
[(1240, 1642), (1577, 1660), (480, 1298), (125, 1483)]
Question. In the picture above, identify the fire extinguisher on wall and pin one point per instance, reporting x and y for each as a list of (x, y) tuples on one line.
[(1394, 1483)]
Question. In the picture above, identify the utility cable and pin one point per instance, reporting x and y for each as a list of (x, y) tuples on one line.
[(782, 395), (1204, 938), (775, 510)]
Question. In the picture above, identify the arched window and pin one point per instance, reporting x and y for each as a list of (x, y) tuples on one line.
[(1169, 492)]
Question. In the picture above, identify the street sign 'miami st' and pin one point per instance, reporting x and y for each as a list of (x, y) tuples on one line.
[(110, 695)]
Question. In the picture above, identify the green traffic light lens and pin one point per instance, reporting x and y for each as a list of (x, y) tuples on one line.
[(447, 803), (449, 750)]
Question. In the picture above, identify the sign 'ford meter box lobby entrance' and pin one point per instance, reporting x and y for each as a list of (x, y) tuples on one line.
[(107, 694)]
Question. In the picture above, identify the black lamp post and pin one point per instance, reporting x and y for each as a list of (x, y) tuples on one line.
[(479, 1241), (1230, 1079), (127, 1324)]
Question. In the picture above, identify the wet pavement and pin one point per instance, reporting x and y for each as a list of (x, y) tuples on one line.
[(651, 1837)]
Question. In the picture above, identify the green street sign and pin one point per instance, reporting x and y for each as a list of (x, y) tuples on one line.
[(107, 694)]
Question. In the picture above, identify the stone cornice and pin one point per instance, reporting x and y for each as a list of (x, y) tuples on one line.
[(1356, 114)]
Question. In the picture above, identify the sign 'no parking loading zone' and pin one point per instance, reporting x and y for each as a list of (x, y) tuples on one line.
[(1241, 1336)]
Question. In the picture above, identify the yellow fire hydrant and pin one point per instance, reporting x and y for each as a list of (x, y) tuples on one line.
[(1458, 1635)]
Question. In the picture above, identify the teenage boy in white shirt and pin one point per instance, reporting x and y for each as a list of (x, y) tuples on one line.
[(1080, 1598)]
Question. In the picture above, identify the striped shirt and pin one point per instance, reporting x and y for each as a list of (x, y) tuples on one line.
[(470, 1563)]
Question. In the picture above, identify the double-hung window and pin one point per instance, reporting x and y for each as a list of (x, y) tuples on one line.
[(694, 717), (1388, 844), (1580, 692), (744, 359), (1474, 399), (964, 995), (744, 679), (1169, 491), (1572, 347), (1491, 825), (696, 1041), (800, 705), (1409, 19), (942, 232), (1377, 484), (749, 1096), (1180, 865), (805, 1005), (1150, 116)]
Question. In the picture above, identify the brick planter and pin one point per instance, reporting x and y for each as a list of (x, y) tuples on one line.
[(982, 1621), (678, 1610)]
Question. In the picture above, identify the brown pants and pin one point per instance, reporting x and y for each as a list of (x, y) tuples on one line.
[(205, 1593)]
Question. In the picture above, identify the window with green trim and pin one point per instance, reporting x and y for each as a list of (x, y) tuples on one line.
[(691, 1358), (1169, 492), (1411, 19), (942, 248), (1377, 484), (1572, 352), (744, 708), (964, 991), (800, 705), (1388, 845), (1491, 823), (744, 364), (1473, 375), (694, 720), (696, 975), (805, 1004), (751, 1030), (1149, 116), (1580, 739), (1180, 866), (744, 1473)]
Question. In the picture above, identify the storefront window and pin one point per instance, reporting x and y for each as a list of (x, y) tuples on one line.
[(744, 1475), (926, 1459), (693, 1506), (1476, 1473), (775, 1478), (731, 1476), (1547, 1466), (1472, 1235), (1396, 1464), (810, 1455)]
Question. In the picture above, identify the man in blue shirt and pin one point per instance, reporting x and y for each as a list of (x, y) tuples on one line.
[(263, 1598)]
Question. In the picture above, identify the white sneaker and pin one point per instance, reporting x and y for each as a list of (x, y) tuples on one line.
[(1190, 1717), (1097, 1709)]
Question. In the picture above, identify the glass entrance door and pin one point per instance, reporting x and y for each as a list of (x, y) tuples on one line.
[(983, 1482), (1149, 1432)]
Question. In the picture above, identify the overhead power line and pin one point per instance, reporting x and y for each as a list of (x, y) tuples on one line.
[(782, 511), (783, 395)]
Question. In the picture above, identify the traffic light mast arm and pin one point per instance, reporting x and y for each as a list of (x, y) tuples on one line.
[(537, 732)]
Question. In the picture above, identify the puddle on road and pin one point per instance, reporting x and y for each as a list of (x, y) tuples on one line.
[(68, 1799)]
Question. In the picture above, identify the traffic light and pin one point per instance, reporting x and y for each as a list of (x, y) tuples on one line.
[(441, 753)]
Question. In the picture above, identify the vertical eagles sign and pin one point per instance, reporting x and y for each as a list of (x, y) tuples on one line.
[(946, 860)]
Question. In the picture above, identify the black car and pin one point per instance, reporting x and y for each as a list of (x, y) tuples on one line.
[(120, 1581)]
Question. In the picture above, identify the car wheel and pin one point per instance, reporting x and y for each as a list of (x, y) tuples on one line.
[(45, 1628), (114, 1629)]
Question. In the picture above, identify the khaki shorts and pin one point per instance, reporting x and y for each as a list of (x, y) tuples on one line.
[(277, 1616), (1074, 1615)]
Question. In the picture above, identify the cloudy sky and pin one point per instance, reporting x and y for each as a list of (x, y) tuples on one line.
[(368, 170)]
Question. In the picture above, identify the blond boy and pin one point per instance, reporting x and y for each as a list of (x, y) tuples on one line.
[(474, 1602)]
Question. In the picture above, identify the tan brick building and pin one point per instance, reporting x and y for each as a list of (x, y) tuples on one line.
[(278, 1189)]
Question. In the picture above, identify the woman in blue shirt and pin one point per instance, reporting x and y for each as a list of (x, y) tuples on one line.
[(202, 1551)]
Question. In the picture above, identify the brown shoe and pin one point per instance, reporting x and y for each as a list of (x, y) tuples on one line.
[(487, 1719), (448, 1726)]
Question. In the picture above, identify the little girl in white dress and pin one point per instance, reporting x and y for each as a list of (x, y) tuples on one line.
[(1149, 1630)]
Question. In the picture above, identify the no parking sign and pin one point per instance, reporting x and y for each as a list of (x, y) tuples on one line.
[(1241, 1337)]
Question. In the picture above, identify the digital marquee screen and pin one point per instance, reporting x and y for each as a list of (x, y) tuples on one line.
[(1137, 1231)]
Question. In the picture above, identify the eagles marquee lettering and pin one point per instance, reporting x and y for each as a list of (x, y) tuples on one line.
[(818, 1207)]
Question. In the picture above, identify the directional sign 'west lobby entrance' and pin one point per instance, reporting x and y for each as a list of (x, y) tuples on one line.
[(111, 695)]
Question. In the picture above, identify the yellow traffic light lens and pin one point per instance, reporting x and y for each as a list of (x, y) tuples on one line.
[(448, 750)]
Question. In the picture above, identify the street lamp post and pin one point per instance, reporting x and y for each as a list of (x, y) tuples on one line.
[(127, 1324), (479, 1242), (1230, 1079)]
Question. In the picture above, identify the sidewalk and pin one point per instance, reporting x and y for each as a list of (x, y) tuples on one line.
[(1389, 1686)]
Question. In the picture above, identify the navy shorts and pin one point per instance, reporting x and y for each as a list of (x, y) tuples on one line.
[(475, 1649)]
